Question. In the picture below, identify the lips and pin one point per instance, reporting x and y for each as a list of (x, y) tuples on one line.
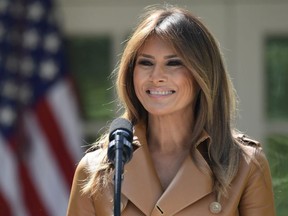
[(160, 93)]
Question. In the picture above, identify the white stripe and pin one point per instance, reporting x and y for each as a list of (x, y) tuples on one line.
[(64, 108), (9, 180), (48, 179)]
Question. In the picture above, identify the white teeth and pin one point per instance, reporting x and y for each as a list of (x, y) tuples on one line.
[(160, 92)]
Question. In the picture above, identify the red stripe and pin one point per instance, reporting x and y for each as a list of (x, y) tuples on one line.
[(32, 200), (4, 207), (55, 139)]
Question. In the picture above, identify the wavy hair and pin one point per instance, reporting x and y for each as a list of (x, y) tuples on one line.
[(215, 102)]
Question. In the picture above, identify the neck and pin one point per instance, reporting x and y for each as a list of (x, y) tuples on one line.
[(167, 134)]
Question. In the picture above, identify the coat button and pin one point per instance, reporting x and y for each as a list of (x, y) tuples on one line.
[(215, 207)]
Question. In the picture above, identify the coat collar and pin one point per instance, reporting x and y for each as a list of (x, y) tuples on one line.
[(141, 184)]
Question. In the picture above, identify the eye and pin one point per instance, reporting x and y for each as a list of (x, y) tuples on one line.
[(174, 62), (145, 62)]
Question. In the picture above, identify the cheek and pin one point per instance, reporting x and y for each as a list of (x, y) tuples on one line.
[(135, 77), (139, 75), (137, 80)]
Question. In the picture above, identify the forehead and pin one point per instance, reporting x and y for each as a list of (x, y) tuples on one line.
[(157, 45)]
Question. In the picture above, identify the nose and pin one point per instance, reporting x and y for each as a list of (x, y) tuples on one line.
[(158, 75)]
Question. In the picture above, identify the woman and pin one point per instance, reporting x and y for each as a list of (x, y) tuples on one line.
[(187, 160)]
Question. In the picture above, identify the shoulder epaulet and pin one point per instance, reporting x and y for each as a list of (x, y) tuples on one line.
[(248, 141)]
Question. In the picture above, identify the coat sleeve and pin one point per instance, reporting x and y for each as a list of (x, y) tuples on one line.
[(258, 198), (80, 204)]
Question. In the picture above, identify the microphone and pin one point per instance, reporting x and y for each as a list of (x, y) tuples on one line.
[(120, 138), (119, 153)]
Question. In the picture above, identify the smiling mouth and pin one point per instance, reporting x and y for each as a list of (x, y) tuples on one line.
[(160, 92)]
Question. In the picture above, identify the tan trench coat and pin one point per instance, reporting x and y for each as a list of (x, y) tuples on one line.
[(189, 194)]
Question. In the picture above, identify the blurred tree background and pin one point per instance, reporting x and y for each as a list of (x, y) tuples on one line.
[(90, 62), (276, 59), (89, 58), (277, 151)]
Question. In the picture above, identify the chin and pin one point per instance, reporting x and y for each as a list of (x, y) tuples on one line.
[(158, 112)]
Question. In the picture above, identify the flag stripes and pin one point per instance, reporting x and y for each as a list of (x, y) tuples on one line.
[(40, 130)]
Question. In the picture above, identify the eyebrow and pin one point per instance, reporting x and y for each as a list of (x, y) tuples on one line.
[(152, 57)]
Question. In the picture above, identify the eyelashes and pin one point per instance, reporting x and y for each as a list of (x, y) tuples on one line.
[(145, 62), (172, 63)]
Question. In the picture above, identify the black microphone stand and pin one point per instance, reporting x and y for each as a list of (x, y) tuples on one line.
[(120, 151), (119, 165)]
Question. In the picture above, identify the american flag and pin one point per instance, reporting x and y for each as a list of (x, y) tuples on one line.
[(39, 125)]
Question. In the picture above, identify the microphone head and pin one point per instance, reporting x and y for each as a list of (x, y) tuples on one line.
[(120, 124), (120, 127)]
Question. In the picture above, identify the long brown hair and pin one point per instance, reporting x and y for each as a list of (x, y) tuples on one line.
[(215, 102)]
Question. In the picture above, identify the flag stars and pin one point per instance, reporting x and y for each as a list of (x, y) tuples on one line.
[(17, 10), (9, 90), (27, 66), (25, 94), (7, 116), (48, 70), (14, 37), (3, 6), (51, 43), (35, 11), (12, 63), (31, 39)]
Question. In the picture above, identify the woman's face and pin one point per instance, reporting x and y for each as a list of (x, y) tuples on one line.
[(162, 83)]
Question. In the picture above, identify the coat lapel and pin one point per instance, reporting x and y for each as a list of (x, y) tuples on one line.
[(188, 186), (141, 184)]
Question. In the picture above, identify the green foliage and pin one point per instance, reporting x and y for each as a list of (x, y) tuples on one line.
[(90, 63), (277, 154), (276, 55)]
